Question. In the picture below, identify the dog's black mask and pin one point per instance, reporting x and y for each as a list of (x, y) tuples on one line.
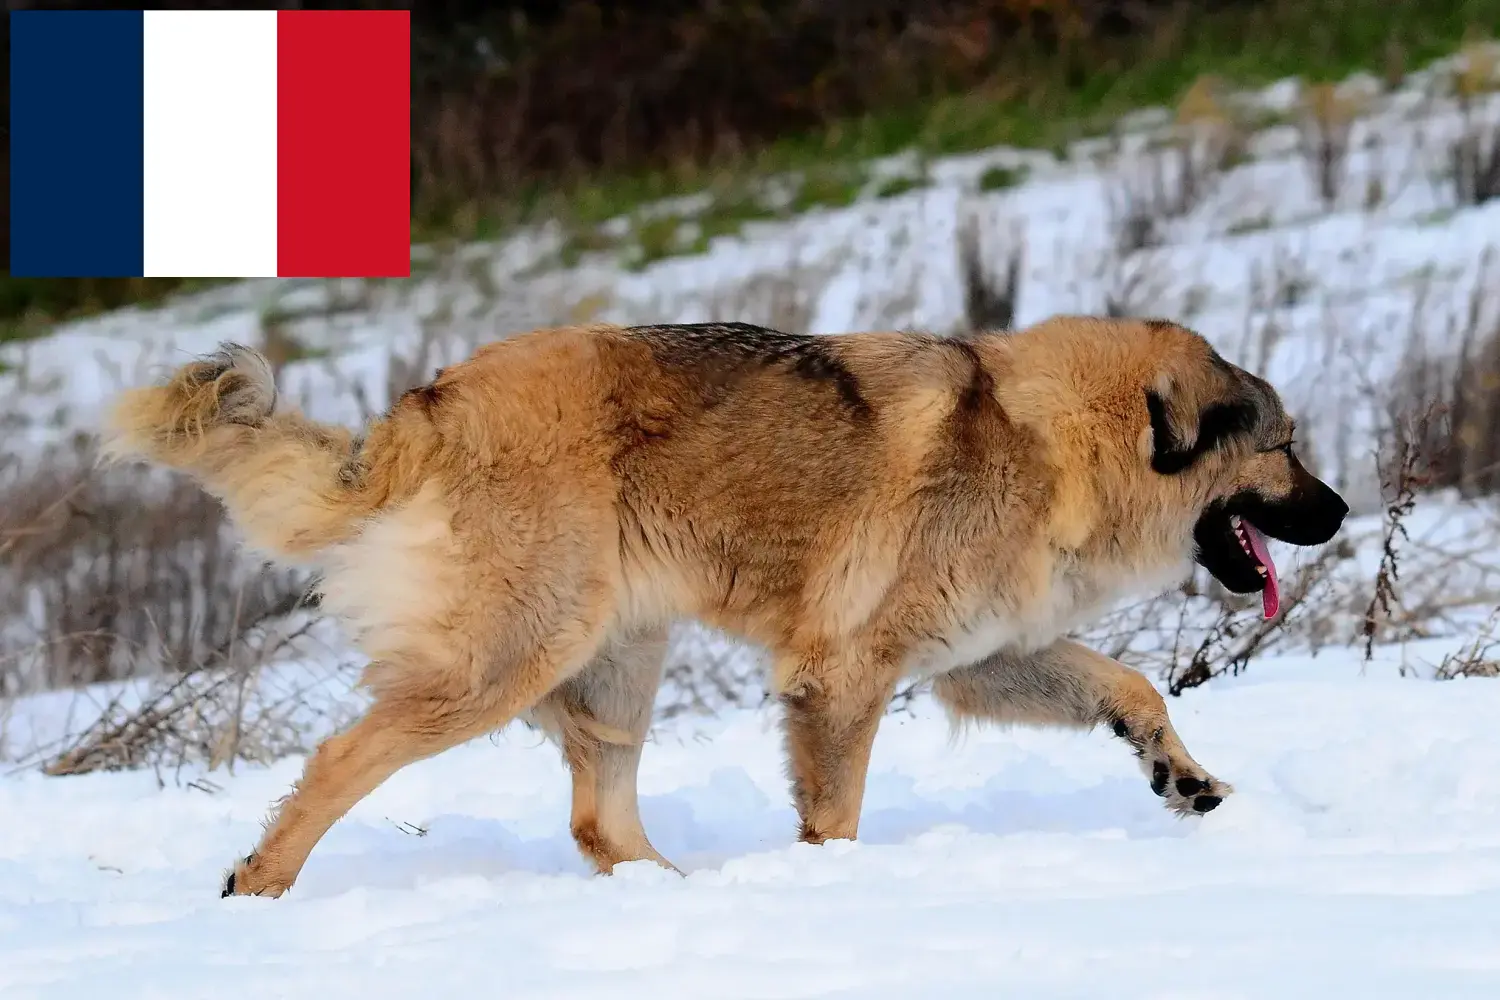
[(1308, 512)]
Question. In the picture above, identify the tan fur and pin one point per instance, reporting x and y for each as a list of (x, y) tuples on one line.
[(1070, 685), (513, 538)]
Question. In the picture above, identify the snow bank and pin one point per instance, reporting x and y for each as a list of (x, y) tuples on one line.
[(1360, 856)]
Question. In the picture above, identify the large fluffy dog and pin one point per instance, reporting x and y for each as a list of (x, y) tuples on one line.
[(513, 538)]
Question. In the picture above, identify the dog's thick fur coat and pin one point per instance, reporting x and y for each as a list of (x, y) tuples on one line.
[(514, 538)]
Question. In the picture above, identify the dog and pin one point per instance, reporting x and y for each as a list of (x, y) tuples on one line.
[(512, 539)]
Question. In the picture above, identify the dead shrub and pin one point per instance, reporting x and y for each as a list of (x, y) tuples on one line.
[(706, 673), (1474, 156), (237, 704), (1133, 287), (1464, 381), (1232, 638), (1473, 397), (1284, 282), (1326, 121), (1164, 184), (1177, 172), (1408, 468), (781, 297), (1478, 658), (781, 300), (106, 569), (990, 294)]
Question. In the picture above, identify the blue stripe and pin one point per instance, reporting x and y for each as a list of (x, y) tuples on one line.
[(76, 145)]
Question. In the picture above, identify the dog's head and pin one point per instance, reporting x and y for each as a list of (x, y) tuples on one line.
[(1228, 433)]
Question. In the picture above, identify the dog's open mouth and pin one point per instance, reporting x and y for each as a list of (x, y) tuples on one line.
[(1254, 544)]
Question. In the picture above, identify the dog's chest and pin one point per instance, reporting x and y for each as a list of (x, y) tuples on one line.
[(1069, 602), (987, 630)]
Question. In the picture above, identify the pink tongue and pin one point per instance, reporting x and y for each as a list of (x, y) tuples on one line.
[(1270, 597)]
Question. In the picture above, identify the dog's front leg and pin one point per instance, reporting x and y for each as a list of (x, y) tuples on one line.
[(833, 707), (1067, 684)]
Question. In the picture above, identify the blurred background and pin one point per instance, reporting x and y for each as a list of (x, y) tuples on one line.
[(1312, 184)]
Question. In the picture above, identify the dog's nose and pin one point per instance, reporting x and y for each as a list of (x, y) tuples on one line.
[(1334, 504)]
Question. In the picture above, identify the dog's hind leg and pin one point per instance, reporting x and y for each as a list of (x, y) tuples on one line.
[(412, 718), (1067, 684), (600, 718)]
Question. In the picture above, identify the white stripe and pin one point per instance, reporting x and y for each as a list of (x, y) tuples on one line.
[(210, 123)]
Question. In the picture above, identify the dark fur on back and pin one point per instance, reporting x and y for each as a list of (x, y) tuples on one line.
[(723, 353)]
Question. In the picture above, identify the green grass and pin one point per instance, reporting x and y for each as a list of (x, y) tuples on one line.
[(655, 238), (30, 306), (584, 239), (1244, 227), (830, 186), (895, 186), (651, 238), (1044, 101), (999, 178), (727, 216)]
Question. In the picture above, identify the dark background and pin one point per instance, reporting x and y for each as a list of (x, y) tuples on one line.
[(515, 102)]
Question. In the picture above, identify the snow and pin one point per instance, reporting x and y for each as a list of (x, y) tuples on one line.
[(1360, 856), (1328, 300)]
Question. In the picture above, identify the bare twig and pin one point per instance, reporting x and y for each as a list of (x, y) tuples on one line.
[(1476, 659), (1410, 469), (1229, 643)]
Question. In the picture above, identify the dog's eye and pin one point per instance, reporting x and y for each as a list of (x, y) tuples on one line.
[(1280, 447)]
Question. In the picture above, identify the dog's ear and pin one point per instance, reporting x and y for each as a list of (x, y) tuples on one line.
[(1190, 420)]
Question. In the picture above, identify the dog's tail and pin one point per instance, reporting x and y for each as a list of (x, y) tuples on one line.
[(294, 487)]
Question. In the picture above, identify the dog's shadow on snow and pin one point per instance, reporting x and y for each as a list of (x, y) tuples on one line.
[(450, 846), (703, 826)]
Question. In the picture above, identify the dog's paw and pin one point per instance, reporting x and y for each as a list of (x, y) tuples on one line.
[(1191, 792), (247, 878), (1187, 788)]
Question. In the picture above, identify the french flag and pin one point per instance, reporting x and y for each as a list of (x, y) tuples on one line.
[(195, 143)]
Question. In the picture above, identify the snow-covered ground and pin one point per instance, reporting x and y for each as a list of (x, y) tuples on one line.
[(1359, 857)]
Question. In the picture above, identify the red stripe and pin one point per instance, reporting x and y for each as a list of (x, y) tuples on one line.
[(343, 134)]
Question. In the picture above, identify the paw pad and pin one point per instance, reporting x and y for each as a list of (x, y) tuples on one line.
[(1190, 786)]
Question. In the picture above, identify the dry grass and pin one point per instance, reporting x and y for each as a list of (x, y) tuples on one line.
[(1232, 638), (108, 570), (130, 580), (1164, 184), (1464, 381), (1326, 120), (990, 293), (1409, 470), (1479, 658), (127, 588), (1474, 156), (241, 703)]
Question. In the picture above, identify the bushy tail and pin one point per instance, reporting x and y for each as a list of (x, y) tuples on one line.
[(290, 484)]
